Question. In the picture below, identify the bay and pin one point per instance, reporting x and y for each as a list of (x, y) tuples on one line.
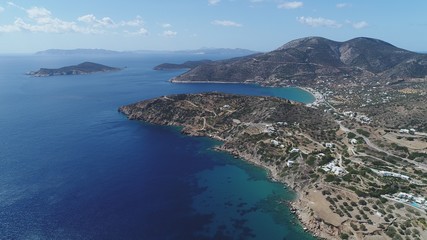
[(72, 167)]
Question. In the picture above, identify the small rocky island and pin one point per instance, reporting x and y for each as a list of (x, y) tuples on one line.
[(80, 69)]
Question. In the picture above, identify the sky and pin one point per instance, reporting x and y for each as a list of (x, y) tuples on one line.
[(260, 25)]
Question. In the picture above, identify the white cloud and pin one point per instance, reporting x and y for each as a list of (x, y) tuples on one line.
[(9, 28), (1, 9), (166, 25), (15, 5), (141, 31), (213, 2), (95, 22), (39, 19), (134, 22), (169, 33), (87, 18), (38, 13), (319, 22), (46, 25), (343, 5), (360, 25), (226, 23), (290, 5)]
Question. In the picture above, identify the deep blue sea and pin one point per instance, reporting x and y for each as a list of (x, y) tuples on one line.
[(72, 167)]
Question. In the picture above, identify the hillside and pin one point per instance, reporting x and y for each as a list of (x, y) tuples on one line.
[(336, 172), (82, 68), (201, 114), (304, 61), (365, 75)]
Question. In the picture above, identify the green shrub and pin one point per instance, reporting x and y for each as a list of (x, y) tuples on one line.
[(351, 135), (344, 236), (363, 132)]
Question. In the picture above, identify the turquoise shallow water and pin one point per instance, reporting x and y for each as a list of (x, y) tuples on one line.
[(245, 203), (72, 167)]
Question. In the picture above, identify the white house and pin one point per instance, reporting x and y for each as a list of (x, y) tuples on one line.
[(419, 200), (275, 142), (333, 168), (329, 145), (294, 150), (353, 141), (404, 130)]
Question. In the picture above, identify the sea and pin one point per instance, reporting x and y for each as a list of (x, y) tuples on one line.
[(72, 167)]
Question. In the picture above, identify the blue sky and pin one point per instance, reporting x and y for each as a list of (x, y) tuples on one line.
[(263, 25)]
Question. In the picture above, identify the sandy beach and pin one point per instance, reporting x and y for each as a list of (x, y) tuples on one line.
[(317, 95)]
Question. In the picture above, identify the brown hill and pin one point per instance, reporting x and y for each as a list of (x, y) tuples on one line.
[(305, 60)]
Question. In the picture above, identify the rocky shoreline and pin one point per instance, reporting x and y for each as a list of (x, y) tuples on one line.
[(309, 223), (300, 146), (153, 110)]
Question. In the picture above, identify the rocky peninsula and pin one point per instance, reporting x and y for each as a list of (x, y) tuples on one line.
[(339, 193), (80, 69), (185, 65)]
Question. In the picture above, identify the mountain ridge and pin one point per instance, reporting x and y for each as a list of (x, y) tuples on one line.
[(308, 59)]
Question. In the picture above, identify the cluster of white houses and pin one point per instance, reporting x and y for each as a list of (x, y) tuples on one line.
[(359, 117), (332, 167)]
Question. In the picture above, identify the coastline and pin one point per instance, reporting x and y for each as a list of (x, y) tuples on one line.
[(299, 206), (316, 227), (307, 221), (216, 82), (318, 97)]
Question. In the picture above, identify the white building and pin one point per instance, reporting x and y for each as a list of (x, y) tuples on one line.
[(333, 168), (275, 142), (329, 145), (392, 174), (404, 130), (294, 150), (419, 200), (405, 196)]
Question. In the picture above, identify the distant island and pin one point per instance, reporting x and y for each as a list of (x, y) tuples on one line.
[(80, 69), (185, 65), (79, 51), (230, 52)]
